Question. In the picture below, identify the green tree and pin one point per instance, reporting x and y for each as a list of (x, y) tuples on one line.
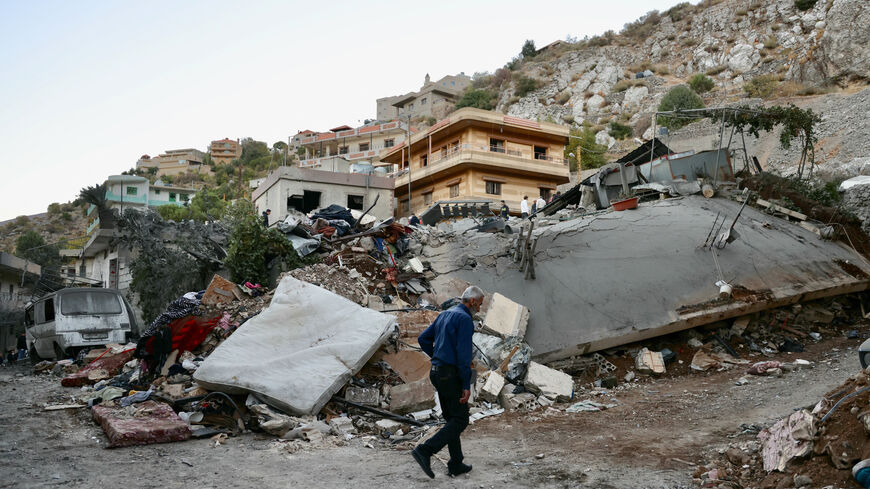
[(583, 146), (208, 205), (480, 98), (280, 146), (701, 83), (54, 209), (528, 50), (32, 247), (252, 246), (680, 97)]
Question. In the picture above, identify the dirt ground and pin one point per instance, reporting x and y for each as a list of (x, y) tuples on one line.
[(660, 427)]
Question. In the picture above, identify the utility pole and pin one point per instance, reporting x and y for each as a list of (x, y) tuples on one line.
[(408, 129)]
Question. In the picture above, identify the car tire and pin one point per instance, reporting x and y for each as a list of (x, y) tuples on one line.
[(34, 355), (59, 354)]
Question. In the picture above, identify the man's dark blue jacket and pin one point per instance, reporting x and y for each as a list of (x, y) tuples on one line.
[(448, 341)]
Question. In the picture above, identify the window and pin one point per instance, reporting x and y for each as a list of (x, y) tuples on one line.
[(423, 101), (156, 191), (405, 206), (307, 202), (363, 146), (171, 196), (454, 191), (546, 194), (411, 107), (48, 310), (540, 152), (493, 188), (427, 198), (355, 202), (185, 197), (388, 143), (132, 190), (342, 150), (424, 160), (496, 145), (84, 303), (453, 84)]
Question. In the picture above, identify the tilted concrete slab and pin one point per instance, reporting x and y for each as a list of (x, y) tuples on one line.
[(617, 277)]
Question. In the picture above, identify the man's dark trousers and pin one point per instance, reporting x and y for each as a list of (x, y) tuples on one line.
[(446, 380)]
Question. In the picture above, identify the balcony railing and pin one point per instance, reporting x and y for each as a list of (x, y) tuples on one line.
[(442, 156)]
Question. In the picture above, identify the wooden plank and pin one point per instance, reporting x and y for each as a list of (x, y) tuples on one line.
[(60, 407), (779, 208)]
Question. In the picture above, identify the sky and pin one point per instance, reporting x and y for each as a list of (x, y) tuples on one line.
[(86, 87)]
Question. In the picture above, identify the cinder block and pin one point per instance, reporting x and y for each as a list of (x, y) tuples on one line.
[(550, 383), (412, 397), (505, 317), (492, 385)]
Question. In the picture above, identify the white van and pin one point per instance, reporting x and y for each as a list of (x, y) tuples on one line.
[(62, 323)]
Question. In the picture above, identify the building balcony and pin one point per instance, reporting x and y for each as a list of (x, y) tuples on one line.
[(494, 158), (126, 199)]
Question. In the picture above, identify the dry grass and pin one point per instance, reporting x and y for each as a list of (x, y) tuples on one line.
[(716, 70), (771, 42)]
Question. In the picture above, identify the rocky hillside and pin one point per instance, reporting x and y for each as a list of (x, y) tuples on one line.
[(818, 57), (64, 224)]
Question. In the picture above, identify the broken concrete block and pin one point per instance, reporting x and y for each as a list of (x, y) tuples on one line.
[(740, 325), (220, 290), (342, 425), (505, 317), (814, 313), (649, 362), (411, 397), (409, 364), (548, 382), (514, 402), (362, 395), (416, 265), (384, 425), (492, 385), (695, 343)]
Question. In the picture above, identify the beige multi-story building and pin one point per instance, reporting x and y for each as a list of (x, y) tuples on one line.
[(434, 99), (478, 154), (343, 146), (224, 150), (177, 161)]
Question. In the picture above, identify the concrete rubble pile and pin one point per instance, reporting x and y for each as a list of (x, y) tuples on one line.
[(331, 354), (825, 445)]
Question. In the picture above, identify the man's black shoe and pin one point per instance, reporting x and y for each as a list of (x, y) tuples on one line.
[(458, 470), (424, 463)]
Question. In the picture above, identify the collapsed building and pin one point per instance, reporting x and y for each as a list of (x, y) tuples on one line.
[(332, 350)]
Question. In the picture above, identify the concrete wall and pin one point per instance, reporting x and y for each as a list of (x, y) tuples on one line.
[(334, 188)]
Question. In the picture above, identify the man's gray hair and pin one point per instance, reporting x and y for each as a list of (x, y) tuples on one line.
[(472, 292)]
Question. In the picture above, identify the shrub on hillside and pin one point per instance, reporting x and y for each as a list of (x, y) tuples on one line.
[(619, 131), (761, 86), (480, 98), (680, 97), (523, 85), (701, 83), (528, 50), (804, 4), (582, 144)]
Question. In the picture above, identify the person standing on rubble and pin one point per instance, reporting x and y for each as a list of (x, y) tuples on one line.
[(447, 341), (504, 211), (524, 207), (266, 217), (540, 204)]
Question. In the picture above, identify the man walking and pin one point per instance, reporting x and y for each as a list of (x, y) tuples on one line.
[(448, 342), (524, 207)]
